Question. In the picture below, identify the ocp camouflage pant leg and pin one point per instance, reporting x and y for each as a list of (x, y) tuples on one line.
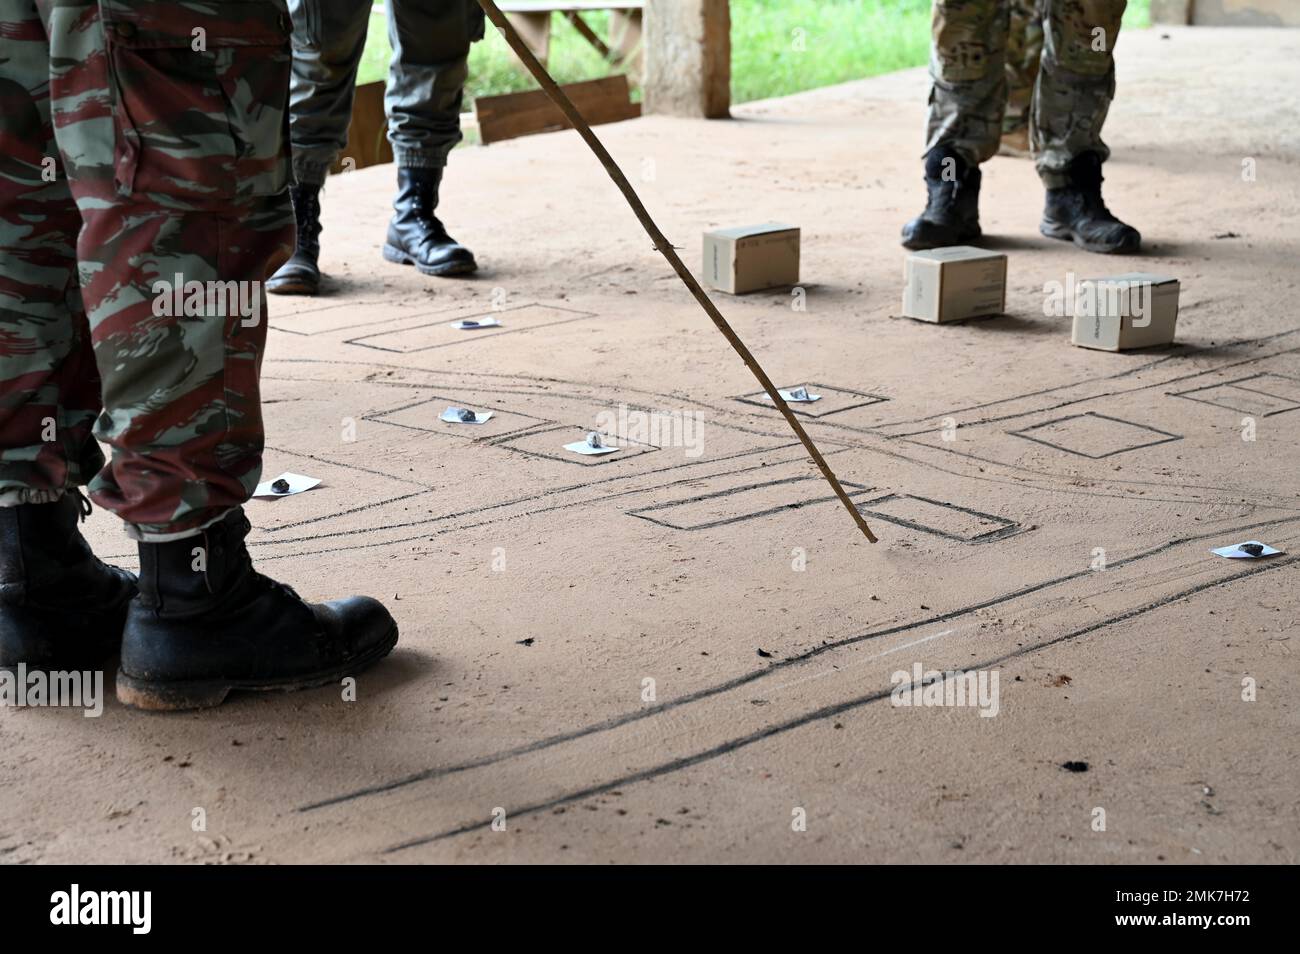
[(1075, 84), (1024, 50), (967, 66), (170, 118), (49, 386)]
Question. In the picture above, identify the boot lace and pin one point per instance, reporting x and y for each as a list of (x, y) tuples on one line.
[(83, 503), (306, 211)]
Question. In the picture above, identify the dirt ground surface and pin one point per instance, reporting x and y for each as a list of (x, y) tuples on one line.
[(685, 653)]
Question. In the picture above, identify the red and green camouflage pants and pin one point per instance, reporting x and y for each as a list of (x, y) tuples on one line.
[(1072, 94), (143, 172)]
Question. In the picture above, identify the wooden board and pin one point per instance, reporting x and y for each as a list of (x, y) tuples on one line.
[(625, 37), (531, 6), (535, 29), (522, 114), (367, 132), (622, 49)]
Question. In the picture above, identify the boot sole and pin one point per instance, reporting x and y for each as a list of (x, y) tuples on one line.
[(398, 257), (293, 287), (921, 243), (1065, 234), (153, 696)]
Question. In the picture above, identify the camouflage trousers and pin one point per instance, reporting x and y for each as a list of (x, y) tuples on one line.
[(1072, 93), (143, 174), (426, 78), (1024, 50)]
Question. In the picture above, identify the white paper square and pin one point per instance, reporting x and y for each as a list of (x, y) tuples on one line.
[(804, 395), (1235, 552), (474, 324), (583, 447), (297, 484), (452, 416)]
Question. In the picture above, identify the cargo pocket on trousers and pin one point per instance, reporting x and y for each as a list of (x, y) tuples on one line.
[(201, 97)]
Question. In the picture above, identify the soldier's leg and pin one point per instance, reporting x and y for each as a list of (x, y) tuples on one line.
[(1076, 83), (329, 37), (1024, 50), (431, 41), (170, 118), (426, 82), (967, 96), (60, 608), (176, 159), (968, 73), (49, 386)]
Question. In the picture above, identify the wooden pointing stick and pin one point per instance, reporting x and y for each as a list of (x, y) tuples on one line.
[(662, 246)]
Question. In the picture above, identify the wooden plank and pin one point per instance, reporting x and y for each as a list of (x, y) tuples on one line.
[(522, 114), (535, 28), (625, 38), (367, 131), (588, 34), (563, 6)]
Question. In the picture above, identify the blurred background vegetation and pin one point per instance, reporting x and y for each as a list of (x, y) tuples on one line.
[(777, 46)]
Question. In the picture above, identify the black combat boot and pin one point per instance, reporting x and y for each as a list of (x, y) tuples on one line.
[(1076, 213), (415, 236), (952, 210), (301, 275), (206, 622), (61, 609)]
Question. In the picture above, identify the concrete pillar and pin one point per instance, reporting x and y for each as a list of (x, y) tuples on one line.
[(1171, 11), (687, 49), (1247, 13)]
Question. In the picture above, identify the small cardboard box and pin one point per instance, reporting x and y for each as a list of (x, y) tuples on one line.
[(751, 257), (949, 284), (1136, 310)]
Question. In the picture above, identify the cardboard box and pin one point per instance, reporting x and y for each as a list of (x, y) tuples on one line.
[(751, 257), (949, 284), (1136, 310)]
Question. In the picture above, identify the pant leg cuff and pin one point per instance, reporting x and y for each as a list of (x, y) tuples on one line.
[(311, 173), (161, 533), (17, 496), (420, 158)]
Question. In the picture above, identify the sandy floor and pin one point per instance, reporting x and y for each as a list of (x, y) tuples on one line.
[(537, 593)]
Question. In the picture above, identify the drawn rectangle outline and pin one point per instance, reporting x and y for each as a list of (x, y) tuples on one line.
[(380, 419), (470, 335), (754, 400), (504, 440), (1167, 437), (1008, 528), (642, 511), (1236, 383)]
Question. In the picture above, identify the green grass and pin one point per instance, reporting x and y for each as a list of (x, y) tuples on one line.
[(780, 47), (791, 45), (777, 46)]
